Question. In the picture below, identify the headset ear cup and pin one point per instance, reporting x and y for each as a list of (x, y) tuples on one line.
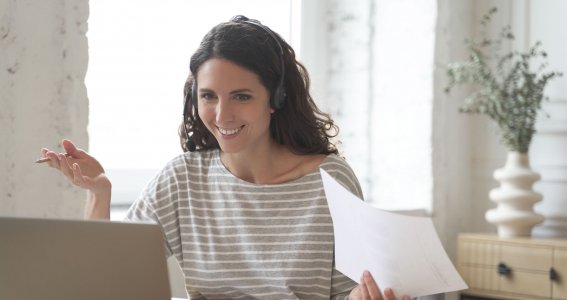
[(279, 98)]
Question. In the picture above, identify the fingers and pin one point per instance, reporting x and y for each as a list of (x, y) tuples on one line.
[(389, 294), (61, 162), (71, 149), (369, 288), (52, 156), (65, 167), (364, 289), (371, 285), (74, 173), (78, 178)]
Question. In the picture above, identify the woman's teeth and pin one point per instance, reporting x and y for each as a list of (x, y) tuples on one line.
[(226, 131)]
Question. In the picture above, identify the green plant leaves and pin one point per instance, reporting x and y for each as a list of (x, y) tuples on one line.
[(508, 91)]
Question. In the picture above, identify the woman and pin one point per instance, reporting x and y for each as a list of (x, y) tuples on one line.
[(243, 209)]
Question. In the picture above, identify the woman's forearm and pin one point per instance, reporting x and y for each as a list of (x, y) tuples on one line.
[(98, 205)]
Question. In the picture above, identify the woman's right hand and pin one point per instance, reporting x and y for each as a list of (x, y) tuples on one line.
[(79, 167)]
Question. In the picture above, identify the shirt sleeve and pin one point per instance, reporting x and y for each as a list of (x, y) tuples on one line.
[(341, 285), (144, 209)]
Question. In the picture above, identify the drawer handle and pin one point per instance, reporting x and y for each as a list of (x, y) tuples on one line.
[(503, 269), (553, 275)]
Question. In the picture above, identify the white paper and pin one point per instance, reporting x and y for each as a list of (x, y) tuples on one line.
[(401, 252)]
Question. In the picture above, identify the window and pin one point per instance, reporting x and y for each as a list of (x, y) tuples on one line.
[(371, 66), (138, 61), (374, 71)]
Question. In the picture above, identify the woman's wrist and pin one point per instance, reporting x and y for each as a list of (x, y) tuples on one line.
[(98, 201)]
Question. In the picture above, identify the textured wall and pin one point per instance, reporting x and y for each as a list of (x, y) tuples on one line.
[(43, 61)]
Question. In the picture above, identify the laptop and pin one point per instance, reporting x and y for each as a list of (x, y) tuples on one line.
[(54, 259)]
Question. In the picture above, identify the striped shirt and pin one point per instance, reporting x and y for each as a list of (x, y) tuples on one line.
[(240, 240)]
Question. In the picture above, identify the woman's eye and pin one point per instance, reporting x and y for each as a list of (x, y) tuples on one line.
[(207, 96), (242, 97)]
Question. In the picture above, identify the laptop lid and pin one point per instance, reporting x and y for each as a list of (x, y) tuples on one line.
[(76, 259)]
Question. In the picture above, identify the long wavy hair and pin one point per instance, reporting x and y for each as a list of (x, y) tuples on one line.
[(298, 125)]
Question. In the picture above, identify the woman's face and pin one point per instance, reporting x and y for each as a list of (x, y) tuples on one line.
[(234, 105)]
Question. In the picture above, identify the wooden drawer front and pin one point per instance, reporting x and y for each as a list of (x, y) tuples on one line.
[(560, 266), (533, 284), (527, 258), (475, 252), (480, 277)]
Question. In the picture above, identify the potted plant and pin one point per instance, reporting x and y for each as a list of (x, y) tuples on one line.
[(510, 92)]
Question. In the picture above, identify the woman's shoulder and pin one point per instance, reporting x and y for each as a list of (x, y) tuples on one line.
[(334, 163), (187, 163), (341, 171)]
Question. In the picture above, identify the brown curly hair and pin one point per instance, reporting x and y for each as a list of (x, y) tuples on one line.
[(298, 125)]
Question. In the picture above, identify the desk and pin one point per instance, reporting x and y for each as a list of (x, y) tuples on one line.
[(512, 268)]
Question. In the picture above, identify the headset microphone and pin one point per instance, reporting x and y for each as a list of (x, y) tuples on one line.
[(189, 143)]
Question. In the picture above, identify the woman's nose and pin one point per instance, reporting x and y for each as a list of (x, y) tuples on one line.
[(224, 110)]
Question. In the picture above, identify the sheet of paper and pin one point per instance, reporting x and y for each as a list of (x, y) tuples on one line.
[(402, 252)]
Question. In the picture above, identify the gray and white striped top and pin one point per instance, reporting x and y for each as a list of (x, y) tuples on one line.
[(239, 240)]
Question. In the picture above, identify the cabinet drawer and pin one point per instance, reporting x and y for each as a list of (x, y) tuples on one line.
[(513, 268), (478, 253), (560, 266), (526, 283), (481, 278), (529, 258)]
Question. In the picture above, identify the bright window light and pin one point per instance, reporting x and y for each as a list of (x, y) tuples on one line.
[(139, 55)]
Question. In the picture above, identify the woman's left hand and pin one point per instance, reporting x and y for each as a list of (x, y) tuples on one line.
[(368, 289)]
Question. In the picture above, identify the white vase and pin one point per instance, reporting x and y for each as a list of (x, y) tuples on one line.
[(514, 214)]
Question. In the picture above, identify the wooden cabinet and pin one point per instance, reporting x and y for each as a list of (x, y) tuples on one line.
[(560, 266), (513, 268)]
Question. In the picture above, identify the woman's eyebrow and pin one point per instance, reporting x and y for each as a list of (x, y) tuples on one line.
[(241, 91), (232, 92)]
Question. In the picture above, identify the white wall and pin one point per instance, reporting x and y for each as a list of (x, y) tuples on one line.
[(43, 61), (548, 153)]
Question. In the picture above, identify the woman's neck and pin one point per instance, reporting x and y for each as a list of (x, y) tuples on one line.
[(256, 165), (272, 165)]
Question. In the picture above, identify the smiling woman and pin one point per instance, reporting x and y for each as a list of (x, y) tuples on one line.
[(243, 210), (138, 61), (234, 105)]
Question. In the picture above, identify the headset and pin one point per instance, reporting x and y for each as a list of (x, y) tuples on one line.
[(277, 99)]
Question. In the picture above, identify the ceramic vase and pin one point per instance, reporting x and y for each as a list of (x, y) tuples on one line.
[(514, 215)]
